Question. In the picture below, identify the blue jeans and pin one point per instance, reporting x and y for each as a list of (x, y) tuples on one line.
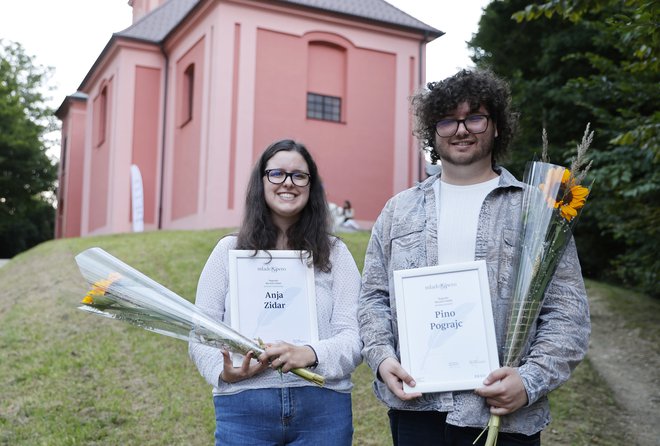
[(429, 428), (289, 416)]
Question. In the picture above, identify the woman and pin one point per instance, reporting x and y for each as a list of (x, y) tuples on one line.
[(255, 404), (348, 213)]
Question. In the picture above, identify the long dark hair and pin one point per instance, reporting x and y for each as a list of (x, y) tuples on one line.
[(312, 230), (477, 87)]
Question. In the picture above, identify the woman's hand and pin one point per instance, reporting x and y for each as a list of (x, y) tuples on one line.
[(286, 356), (231, 374)]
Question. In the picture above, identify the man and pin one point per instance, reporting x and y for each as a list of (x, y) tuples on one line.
[(469, 211)]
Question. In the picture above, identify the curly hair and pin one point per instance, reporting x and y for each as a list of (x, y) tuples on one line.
[(478, 87), (310, 233)]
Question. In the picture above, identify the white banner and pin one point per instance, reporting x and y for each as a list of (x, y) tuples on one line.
[(137, 199)]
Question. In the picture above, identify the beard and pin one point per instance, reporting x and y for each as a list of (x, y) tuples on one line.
[(482, 149)]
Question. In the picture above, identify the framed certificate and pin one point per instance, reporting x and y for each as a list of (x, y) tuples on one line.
[(272, 296), (446, 330)]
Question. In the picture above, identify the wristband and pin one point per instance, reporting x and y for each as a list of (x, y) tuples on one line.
[(316, 359)]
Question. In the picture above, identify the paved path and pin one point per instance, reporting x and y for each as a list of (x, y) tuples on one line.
[(3, 261)]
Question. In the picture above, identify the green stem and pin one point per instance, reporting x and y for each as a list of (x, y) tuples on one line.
[(493, 430), (309, 376)]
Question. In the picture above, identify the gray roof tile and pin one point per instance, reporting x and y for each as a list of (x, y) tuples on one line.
[(376, 10), (159, 23), (155, 26)]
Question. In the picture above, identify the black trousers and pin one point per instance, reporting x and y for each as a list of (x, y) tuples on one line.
[(430, 428)]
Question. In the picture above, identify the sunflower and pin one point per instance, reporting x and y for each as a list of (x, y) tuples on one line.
[(99, 288), (572, 199)]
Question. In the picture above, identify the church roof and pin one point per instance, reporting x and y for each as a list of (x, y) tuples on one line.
[(159, 23), (372, 10)]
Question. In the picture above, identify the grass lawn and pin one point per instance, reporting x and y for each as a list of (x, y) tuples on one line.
[(71, 379)]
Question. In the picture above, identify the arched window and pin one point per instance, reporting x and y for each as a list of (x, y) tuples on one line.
[(326, 81)]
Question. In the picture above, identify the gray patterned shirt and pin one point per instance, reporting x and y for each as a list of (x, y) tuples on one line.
[(405, 237)]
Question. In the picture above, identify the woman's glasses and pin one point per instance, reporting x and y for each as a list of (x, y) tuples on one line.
[(278, 176)]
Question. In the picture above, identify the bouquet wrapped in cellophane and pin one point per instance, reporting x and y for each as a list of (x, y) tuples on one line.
[(551, 203), (123, 293)]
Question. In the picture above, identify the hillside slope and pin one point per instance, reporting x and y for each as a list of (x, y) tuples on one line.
[(68, 378), (71, 378)]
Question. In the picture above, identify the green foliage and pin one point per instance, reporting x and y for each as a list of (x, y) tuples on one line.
[(27, 176), (579, 61), (572, 10)]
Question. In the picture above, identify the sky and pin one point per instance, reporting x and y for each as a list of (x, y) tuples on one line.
[(58, 34)]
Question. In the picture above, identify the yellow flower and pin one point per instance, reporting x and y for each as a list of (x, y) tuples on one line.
[(99, 288), (572, 199), (571, 196)]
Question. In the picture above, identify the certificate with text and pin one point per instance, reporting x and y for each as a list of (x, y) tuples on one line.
[(272, 296), (446, 329)]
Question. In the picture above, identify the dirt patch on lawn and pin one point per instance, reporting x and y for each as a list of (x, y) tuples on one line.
[(629, 362)]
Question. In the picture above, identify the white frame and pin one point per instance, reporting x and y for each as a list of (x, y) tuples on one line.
[(445, 296), (299, 321)]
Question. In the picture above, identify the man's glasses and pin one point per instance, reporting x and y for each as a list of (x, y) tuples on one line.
[(278, 176), (473, 123)]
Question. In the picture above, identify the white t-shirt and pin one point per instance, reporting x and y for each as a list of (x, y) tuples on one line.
[(458, 209)]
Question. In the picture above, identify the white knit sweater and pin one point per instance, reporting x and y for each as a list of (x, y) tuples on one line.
[(338, 348)]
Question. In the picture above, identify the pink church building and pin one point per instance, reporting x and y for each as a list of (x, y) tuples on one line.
[(194, 90)]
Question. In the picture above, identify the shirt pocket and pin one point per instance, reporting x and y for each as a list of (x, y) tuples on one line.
[(408, 247)]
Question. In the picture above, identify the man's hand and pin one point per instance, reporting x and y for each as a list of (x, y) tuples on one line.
[(504, 391), (393, 375)]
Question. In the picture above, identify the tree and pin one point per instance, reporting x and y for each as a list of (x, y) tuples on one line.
[(578, 61), (27, 175), (534, 57), (628, 87)]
